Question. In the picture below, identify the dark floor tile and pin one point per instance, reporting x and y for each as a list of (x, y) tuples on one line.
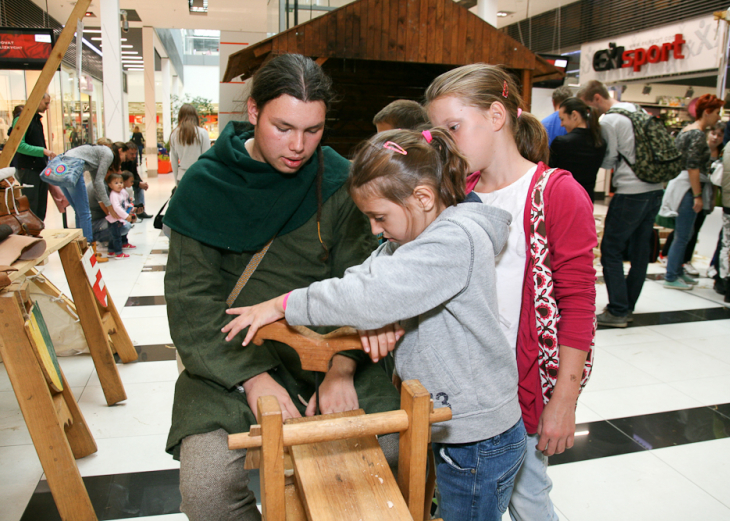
[(677, 317), (120, 496), (159, 252), (157, 300), (672, 428), (602, 440), (152, 353), (147, 269)]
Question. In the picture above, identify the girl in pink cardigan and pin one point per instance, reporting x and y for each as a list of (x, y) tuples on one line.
[(545, 275)]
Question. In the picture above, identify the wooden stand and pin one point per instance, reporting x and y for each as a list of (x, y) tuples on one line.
[(339, 471), (55, 423)]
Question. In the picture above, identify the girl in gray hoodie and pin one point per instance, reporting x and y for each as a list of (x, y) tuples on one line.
[(434, 275)]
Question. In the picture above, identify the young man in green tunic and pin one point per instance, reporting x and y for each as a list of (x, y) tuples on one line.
[(274, 181)]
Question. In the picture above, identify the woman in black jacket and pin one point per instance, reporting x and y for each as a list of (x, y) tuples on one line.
[(581, 150)]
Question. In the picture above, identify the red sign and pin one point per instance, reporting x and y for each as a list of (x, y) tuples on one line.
[(637, 57)]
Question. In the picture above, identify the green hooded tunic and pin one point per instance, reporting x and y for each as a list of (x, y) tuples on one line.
[(204, 265)]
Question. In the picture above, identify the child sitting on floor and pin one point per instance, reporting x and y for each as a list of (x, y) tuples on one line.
[(116, 224)]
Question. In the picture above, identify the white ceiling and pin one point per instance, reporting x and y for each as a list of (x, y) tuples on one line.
[(250, 15)]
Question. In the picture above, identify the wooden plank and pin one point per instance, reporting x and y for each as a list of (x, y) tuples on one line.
[(347, 47), (478, 38), (412, 24), (385, 13), (90, 318), (301, 44), (78, 433), (364, 10), (55, 240), (44, 80), (341, 30), (448, 6), (294, 506), (486, 40), (453, 22), (412, 450), (402, 42), (36, 404), (357, 51), (122, 342), (423, 33), (470, 30), (527, 89), (291, 41), (347, 480), (272, 459), (375, 21), (437, 33), (393, 30), (461, 31), (494, 50)]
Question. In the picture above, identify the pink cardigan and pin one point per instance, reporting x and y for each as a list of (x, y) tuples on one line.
[(571, 233)]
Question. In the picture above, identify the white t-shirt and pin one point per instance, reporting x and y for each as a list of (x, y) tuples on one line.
[(512, 258)]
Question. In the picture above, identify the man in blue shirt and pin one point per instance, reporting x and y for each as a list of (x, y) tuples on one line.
[(552, 122)]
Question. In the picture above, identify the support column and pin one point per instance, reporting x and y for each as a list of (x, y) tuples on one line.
[(487, 11), (111, 43), (166, 92), (150, 108)]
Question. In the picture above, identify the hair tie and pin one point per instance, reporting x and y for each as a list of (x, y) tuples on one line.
[(519, 112), (505, 90), (427, 135)]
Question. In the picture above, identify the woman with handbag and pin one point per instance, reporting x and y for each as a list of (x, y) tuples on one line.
[(187, 142), (544, 272)]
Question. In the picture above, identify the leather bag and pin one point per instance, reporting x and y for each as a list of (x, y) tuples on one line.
[(15, 209)]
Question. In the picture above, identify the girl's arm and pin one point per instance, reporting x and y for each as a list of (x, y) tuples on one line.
[(106, 157)]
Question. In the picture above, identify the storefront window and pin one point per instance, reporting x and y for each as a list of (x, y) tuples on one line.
[(12, 93)]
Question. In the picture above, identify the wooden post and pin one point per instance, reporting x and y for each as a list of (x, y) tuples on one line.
[(91, 322), (39, 90), (527, 89), (36, 404), (272, 459), (416, 401)]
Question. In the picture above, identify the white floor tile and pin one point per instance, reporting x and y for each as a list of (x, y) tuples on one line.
[(142, 312), (691, 330), (148, 330), (632, 487), (611, 372), (708, 391), (144, 372), (583, 414), (633, 401), (715, 346), (149, 284), (147, 410), (706, 464), (127, 455), (12, 425), (670, 361), (20, 471), (625, 336)]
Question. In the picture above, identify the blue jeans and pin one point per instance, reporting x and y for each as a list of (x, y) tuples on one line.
[(79, 201), (531, 495), (683, 228), (629, 222), (138, 197), (475, 480), (115, 245)]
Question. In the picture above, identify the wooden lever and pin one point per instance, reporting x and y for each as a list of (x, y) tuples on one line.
[(315, 350), (338, 428)]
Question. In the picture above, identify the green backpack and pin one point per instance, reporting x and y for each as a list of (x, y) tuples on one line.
[(658, 159)]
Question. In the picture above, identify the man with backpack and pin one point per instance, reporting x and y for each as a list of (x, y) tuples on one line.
[(632, 138)]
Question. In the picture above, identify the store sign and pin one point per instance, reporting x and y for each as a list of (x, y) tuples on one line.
[(616, 57), (26, 49), (692, 48)]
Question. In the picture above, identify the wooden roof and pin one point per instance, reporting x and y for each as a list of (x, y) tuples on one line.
[(414, 31)]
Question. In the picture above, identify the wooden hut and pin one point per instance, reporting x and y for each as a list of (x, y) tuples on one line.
[(377, 51)]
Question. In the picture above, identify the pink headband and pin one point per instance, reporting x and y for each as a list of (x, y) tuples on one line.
[(427, 135)]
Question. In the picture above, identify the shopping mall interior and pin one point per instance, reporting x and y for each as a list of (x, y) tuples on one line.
[(652, 426)]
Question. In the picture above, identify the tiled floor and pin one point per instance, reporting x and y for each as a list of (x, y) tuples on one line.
[(654, 420)]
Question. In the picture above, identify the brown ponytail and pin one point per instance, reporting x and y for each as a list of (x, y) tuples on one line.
[(479, 85), (588, 115), (379, 170)]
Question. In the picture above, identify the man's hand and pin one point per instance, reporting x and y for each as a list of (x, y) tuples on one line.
[(144, 185), (254, 317), (697, 206), (337, 390), (264, 385), (379, 342)]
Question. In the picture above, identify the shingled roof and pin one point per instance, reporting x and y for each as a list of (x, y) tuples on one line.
[(413, 31)]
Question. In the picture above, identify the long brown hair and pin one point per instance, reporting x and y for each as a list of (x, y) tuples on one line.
[(188, 122), (479, 85), (379, 170), (588, 115)]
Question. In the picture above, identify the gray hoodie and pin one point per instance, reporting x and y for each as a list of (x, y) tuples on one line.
[(441, 287)]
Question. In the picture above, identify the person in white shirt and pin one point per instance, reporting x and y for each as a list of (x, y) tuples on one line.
[(187, 142)]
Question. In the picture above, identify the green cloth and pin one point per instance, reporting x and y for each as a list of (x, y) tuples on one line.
[(198, 279), (26, 149), (253, 200)]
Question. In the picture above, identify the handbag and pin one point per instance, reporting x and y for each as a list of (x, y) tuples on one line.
[(63, 171), (157, 223), (15, 208)]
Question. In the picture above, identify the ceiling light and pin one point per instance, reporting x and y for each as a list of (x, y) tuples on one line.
[(127, 46), (502, 14), (89, 14), (92, 31), (96, 39), (124, 39), (129, 52)]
